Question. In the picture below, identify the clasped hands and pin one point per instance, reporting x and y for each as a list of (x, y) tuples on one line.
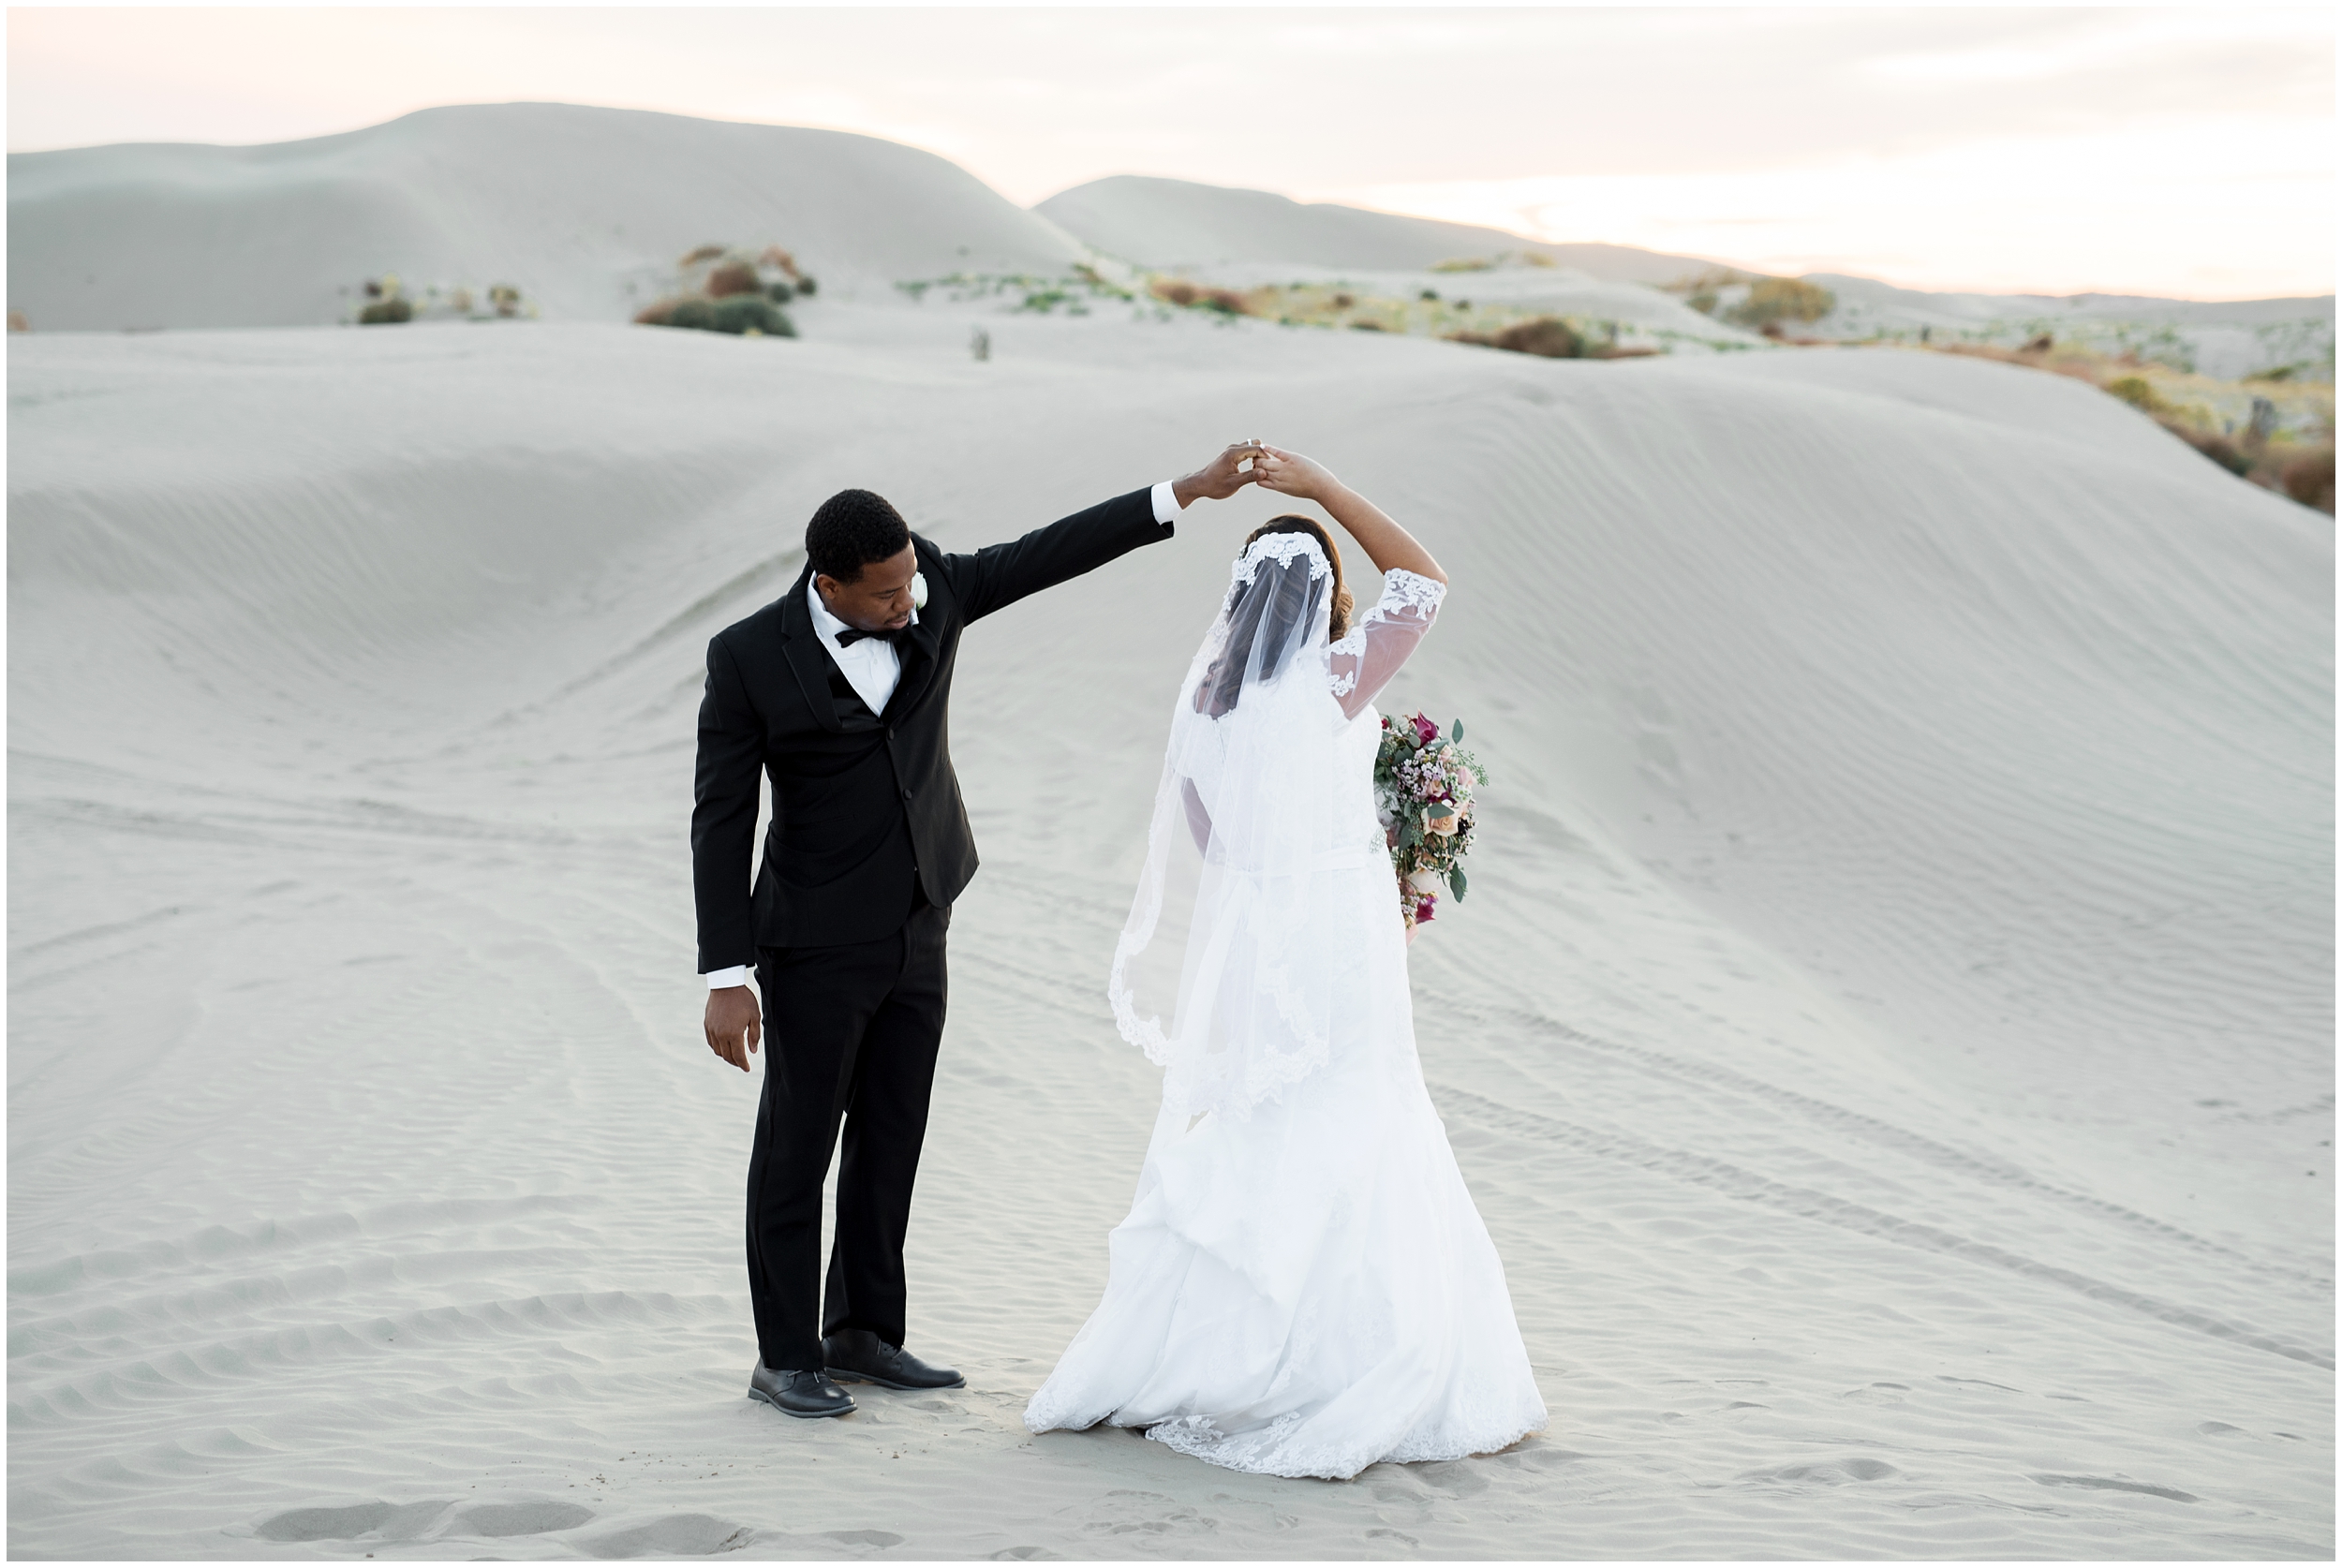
[(1243, 462)]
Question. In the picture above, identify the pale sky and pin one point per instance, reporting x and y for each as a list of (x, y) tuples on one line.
[(2183, 152)]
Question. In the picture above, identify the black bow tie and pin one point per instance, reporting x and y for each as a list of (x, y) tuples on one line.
[(852, 635)]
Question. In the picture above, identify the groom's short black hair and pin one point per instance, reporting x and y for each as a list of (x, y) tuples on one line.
[(851, 529)]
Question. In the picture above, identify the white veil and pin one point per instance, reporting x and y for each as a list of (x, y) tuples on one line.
[(1222, 975)]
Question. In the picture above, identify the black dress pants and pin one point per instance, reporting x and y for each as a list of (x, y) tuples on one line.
[(849, 1034)]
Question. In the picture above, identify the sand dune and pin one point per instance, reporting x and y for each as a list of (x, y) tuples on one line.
[(585, 210), (1178, 223), (1889, 1035)]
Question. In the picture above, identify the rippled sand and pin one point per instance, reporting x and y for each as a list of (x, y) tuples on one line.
[(1889, 1037)]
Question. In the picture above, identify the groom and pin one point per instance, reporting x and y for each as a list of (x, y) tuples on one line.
[(840, 692)]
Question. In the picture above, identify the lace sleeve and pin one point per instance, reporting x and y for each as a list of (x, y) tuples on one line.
[(1365, 660)]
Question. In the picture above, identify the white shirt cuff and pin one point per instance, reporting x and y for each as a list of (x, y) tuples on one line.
[(1167, 504), (719, 979)]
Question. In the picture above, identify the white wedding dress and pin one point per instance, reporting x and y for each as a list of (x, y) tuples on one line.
[(1303, 1286)]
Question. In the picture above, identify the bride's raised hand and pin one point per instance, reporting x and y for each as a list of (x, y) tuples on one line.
[(1289, 473)]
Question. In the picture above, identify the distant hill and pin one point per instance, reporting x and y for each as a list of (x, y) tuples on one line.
[(570, 204), (1175, 223), (2221, 337)]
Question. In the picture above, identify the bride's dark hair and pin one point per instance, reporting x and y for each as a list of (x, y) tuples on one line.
[(1224, 681), (1338, 625)]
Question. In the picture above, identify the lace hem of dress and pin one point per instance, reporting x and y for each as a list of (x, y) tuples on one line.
[(1268, 1451)]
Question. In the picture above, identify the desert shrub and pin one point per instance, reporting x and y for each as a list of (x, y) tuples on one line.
[(735, 312), (1783, 299), (386, 312), (733, 277), (1548, 336), (1180, 292), (2138, 393), (703, 253), (779, 294), (1344, 302), (1429, 294), (1368, 326), (745, 313), (2309, 478), (17, 322), (506, 299), (805, 285), (1463, 264)]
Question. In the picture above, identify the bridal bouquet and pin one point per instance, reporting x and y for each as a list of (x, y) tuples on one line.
[(1423, 794)]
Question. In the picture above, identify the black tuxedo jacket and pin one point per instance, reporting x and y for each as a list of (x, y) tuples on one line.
[(863, 803)]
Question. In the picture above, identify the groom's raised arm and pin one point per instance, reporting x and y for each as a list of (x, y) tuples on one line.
[(999, 575)]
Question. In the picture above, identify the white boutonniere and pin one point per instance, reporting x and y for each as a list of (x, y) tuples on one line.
[(918, 590)]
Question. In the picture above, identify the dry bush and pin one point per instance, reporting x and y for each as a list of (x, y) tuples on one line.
[(703, 253), (1548, 336), (1178, 291), (1772, 300), (17, 323), (733, 277), (2308, 478), (2138, 393)]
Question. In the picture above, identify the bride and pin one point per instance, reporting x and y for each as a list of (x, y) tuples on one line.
[(1302, 1286)]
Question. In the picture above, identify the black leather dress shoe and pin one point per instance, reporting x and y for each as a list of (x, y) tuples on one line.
[(858, 1356), (803, 1394)]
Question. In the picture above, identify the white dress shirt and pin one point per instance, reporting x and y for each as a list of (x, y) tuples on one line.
[(873, 668), (870, 664)]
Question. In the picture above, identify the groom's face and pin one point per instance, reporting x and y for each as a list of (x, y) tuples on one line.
[(880, 598)]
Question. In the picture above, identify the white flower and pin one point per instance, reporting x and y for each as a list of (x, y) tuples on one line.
[(918, 590)]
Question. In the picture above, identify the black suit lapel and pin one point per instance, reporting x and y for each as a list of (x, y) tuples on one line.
[(803, 647)]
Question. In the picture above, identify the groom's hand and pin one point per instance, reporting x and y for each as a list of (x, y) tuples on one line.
[(1219, 479), (734, 1024)]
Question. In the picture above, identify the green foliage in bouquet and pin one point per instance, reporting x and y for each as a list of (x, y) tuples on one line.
[(1423, 794)]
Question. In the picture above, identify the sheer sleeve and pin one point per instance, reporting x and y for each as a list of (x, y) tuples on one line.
[(1365, 660)]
